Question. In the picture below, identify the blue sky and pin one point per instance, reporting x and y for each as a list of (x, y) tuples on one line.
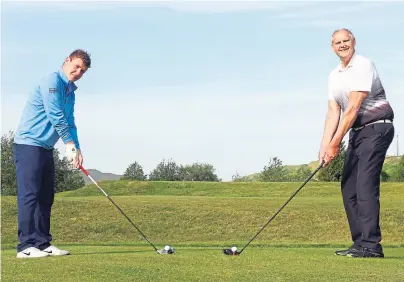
[(230, 84)]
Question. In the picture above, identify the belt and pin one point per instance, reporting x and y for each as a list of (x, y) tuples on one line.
[(378, 121)]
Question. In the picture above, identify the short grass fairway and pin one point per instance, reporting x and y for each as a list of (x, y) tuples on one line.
[(199, 220), (127, 263)]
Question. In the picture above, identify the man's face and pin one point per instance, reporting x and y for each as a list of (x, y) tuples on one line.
[(343, 45), (74, 68)]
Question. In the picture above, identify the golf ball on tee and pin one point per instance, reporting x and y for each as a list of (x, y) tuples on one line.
[(233, 249), (167, 247)]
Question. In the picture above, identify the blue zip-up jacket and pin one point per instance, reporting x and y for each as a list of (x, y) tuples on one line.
[(49, 113)]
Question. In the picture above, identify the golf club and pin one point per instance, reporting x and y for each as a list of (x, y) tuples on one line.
[(166, 250), (233, 251)]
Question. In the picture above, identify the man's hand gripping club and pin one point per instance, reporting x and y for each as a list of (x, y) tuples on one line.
[(74, 155)]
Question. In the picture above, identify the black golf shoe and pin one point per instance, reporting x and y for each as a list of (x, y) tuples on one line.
[(366, 253), (352, 249)]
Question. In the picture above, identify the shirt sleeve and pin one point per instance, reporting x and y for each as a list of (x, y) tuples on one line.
[(73, 128), (362, 77), (52, 95)]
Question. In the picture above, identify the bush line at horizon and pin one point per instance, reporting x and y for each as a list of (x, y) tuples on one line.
[(68, 178)]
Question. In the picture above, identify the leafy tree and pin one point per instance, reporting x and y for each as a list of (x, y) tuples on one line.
[(67, 178), (165, 171), (333, 172), (399, 171), (134, 172), (384, 176), (238, 178), (8, 177), (198, 172), (274, 171), (301, 174)]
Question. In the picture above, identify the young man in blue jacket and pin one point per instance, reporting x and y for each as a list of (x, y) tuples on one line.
[(47, 116)]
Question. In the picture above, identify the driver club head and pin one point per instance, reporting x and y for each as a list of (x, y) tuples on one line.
[(230, 252), (168, 250)]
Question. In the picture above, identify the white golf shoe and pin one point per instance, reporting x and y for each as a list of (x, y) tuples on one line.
[(32, 252), (53, 251)]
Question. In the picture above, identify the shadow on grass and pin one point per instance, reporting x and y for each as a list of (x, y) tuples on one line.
[(394, 257), (113, 252)]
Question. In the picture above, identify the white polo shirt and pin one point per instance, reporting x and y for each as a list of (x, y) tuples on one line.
[(360, 75)]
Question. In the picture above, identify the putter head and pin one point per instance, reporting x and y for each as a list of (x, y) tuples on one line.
[(166, 251), (229, 252)]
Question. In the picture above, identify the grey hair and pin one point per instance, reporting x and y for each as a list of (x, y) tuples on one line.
[(343, 29)]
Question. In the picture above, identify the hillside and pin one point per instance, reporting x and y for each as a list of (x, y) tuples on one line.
[(389, 165), (206, 213), (99, 176)]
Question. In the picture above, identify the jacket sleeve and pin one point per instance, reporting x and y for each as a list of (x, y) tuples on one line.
[(73, 127), (51, 90)]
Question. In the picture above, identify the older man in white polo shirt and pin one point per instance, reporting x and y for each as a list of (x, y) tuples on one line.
[(356, 95)]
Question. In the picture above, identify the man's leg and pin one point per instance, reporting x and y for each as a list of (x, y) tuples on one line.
[(45, 201), (43, 212), (348, 189), (373, 151), (28, 164), (28, 167)]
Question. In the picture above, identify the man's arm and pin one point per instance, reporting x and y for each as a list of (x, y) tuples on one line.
[(331, 122), (51, 92), (332, 118), (349, 116), (360, 85), (73, 128)]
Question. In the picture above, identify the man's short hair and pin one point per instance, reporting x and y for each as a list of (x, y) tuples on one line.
[(344, 29), (83, 55)]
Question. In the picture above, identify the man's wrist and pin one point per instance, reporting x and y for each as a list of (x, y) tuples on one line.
[(335, 142)]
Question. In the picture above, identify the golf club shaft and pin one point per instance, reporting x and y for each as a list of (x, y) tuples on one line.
[(291, 197), (109, 198)]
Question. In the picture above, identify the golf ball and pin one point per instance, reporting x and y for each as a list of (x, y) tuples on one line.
[(233, 249), (167, 247)]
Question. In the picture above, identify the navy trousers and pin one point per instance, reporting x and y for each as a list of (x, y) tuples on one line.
[(36, 189), (360, 183)]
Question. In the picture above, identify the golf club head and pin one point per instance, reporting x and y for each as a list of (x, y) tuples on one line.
[(166, 251), (229, 252)]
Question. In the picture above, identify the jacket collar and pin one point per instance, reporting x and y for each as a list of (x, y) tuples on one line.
[(70, 85)]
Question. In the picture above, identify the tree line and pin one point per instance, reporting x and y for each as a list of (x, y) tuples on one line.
[(68, 178), (275, 171), (169, 170)]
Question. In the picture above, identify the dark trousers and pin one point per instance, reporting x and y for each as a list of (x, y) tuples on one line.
[(360, 183), (36, 189)]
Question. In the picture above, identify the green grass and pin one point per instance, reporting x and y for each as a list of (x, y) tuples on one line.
[(127, 263), (221, 189), (199, 219)]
